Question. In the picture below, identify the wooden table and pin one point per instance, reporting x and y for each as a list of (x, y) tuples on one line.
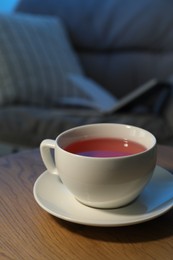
[(28, 232)]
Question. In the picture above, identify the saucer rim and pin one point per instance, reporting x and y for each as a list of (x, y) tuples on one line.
[(143, 217)]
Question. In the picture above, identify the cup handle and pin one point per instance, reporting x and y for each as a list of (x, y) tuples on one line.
[(45, 150)]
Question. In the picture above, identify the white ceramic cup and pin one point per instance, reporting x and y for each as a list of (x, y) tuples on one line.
[(102, 182)]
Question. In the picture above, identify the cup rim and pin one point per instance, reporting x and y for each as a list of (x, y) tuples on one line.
[(102, 125)]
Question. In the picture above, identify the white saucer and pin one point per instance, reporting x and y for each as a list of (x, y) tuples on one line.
[(156, 199)]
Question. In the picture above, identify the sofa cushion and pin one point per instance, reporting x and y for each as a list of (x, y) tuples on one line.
[(39, 66), (111, 24), (121, 44), (35, 59)]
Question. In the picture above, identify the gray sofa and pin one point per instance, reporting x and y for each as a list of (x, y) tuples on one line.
[(117, 44)]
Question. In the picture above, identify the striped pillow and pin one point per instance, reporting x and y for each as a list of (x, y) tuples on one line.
[(35, 59)]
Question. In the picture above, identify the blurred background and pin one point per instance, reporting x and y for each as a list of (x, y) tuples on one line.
[(7, 5), (114, 46)]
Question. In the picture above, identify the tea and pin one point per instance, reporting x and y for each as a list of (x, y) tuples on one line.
[(105, 147)]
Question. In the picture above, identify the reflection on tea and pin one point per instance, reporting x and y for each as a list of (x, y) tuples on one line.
[(105, 147)]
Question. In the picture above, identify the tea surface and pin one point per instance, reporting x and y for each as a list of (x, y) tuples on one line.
[(105, 147)]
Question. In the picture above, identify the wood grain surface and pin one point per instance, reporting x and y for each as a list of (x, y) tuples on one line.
[(28, 232)]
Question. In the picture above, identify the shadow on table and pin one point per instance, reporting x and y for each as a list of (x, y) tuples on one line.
[(156, 229)]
